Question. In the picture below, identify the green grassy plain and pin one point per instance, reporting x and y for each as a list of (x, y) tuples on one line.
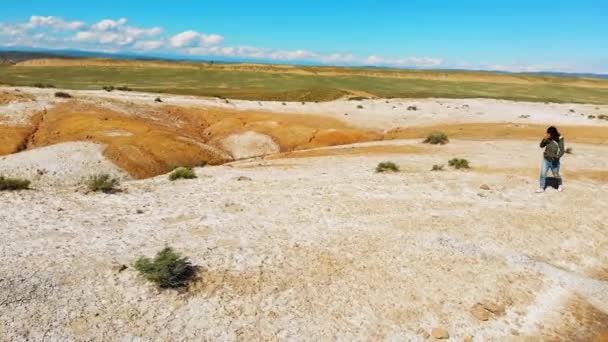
[(310, 83)]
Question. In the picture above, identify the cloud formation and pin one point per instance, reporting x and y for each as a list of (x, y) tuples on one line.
[(116, 35)]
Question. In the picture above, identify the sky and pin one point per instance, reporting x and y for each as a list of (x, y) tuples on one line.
[(515, 35)]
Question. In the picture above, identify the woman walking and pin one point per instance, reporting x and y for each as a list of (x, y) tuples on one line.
[(553, 143)]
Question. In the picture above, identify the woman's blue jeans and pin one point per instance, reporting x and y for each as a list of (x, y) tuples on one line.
[(544, 170)]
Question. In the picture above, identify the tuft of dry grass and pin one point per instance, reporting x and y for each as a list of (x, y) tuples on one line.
[(437, 138), (102, 183), (13, 184), (459, 163), (387, 166)]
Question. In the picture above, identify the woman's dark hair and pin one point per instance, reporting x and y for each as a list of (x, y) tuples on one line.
[(554, 133)]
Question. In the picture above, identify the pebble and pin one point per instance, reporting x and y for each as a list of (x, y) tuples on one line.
[(440, 333), (480, 312)]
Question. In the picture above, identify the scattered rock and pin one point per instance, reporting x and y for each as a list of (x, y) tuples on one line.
[(119, 268), (497, 309), (484, 187), (479, 312), (440, 333)]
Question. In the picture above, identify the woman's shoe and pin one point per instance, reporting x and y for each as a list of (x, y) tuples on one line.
[(560, 188), (540, 190)]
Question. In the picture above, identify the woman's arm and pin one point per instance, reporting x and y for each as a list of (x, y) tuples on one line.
[(562, 148)]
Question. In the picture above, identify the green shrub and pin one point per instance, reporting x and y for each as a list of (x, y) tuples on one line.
[(103, 183), (108, 88), (602, 117), (569, 150), (387, 166), (458, 163), (182, 173), (437, 138), (158, 99), (359, 107), (63, 94), (590, 116), (411, 108), (437, 168), (42, 85), (167, 269), (12, 184)]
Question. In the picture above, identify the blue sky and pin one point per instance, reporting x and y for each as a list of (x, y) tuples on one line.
[(514, 35)]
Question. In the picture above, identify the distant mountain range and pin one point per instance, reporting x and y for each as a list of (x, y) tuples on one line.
[(16, 56)]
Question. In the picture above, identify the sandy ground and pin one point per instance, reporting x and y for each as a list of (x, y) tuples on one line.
[(60, 164), (314, 245)]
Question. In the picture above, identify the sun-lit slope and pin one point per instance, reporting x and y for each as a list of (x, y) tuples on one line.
[(151, 141), (498, 131), (300, 83)]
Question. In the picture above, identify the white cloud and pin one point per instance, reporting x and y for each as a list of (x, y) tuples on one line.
[(108, 25), (56, 23), (412, 62), (115, 32), (192, 39), (184, 39), (148, 45), (292, 55)]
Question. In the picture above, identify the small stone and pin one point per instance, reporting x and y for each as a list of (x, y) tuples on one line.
[(120, 268), (484, 187), (139, 211), (479, 312), (494, 308), (440, 333)]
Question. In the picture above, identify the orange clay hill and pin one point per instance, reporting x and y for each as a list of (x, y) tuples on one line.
[(147, 143)]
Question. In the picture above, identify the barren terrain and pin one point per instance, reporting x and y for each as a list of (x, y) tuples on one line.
[(295, 234)]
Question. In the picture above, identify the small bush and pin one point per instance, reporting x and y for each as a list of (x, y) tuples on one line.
[(123, 88), (412, 108), (387, 166), (167, 269), (63, 95), (158, 99), (102, 183), (108, 88), (458, 163), (569, 150), (42, 85), (437, 168), (590, 116), (602, 117), (182, 173), (12, 184), (360, 107), (437, 138)]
